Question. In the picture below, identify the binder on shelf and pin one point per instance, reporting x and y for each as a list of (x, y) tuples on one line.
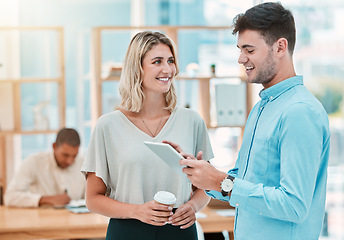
[(230, 104)]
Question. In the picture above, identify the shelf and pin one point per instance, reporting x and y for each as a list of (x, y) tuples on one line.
[(12, 88), (97, 77), (32, 132), (179, 77), (204, 77), (29, 80)]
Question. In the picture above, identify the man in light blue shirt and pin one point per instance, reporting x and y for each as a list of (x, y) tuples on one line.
[(278, 185)]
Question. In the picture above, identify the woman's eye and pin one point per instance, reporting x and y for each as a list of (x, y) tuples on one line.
[(250, 51), (157, 61), (170, 61)]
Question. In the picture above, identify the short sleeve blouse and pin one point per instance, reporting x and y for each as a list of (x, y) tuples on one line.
[(131, 172)]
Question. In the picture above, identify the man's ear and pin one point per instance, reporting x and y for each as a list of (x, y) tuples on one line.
[(282, 47)]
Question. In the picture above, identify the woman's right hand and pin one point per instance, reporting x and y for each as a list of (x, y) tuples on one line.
[(153, 213)]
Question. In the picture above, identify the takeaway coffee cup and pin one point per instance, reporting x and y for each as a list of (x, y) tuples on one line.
[(165, 198)]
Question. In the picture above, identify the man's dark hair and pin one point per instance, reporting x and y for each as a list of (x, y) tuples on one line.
[(68, 136), (272, 20)]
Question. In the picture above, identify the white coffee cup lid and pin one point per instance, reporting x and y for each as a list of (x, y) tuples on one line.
[(165, 197)]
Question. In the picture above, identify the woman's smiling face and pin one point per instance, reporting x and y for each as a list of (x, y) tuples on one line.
[(158, 69)]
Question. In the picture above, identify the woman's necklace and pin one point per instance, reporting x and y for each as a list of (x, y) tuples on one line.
[(157, 128)]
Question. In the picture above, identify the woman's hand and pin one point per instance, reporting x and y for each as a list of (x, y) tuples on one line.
[(154, 213), (184, 217)]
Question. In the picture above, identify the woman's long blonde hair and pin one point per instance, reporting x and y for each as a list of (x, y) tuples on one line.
[(130, 86)]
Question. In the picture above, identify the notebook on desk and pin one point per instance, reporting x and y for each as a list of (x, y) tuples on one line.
[(76, 203), (78, 209), (77, 206)]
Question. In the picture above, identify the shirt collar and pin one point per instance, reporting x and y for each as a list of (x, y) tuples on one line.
[(53, 160), (276, 90)]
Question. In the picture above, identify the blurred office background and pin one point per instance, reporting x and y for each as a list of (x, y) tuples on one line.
[(319, 56)]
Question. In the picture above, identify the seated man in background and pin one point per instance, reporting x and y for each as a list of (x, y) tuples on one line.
[(49, 178)]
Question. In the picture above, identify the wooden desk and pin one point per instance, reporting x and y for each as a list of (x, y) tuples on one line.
[(215, 223), (49, 223)]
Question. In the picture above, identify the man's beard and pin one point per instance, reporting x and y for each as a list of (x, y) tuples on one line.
[(267, 71)]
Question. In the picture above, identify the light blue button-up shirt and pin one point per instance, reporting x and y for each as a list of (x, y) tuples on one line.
[(281, 171)]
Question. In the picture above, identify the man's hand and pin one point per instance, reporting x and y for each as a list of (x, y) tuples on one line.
[(180, 150), (202, 174), (174, 145), (55, 200)]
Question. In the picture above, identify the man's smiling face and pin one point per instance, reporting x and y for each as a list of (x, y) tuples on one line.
[(257, 57)]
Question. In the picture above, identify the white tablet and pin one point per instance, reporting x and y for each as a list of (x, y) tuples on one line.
[(168, 154)]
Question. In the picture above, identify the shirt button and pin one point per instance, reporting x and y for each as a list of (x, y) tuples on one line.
[(237, 204), (271, 97), (260, 213)]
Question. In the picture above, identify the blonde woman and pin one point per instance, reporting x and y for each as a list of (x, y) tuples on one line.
[(122, 174)]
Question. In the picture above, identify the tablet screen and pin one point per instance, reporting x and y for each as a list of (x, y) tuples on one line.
[(168, 154)]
